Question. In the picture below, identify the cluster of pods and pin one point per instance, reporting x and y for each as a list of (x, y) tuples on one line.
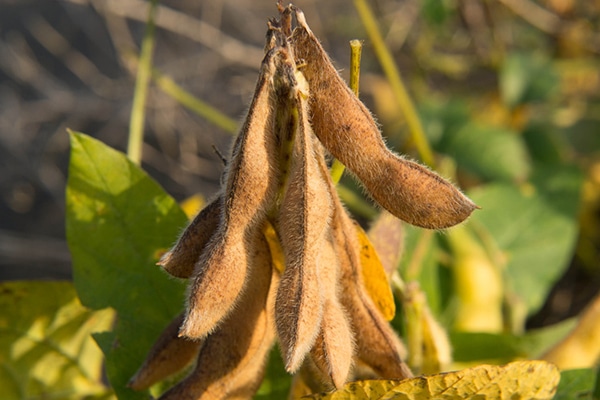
[(275, 257)]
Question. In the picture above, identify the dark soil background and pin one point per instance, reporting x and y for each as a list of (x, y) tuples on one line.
[(68, 64)]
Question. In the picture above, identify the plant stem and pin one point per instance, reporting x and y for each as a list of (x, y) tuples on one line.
[(398, 87), (355, 53), (203, 109), (136, 123), (424, 243), (337, 169), (357, 204)]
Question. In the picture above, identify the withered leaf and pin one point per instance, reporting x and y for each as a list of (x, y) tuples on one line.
[(533, 380)]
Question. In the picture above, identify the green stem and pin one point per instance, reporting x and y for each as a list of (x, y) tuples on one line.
[(412, 305), (136, 123), (424, 242), (357, 204), (393, 76), (206, 111), (355, 53), (337, 168)]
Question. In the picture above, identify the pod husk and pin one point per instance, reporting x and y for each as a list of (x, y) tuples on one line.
[(231, 362), (169, 355), (303, 222), (251, 184), (181, 260), (347, 129)]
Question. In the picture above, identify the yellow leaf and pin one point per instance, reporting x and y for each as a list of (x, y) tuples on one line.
[(374, 276), (478, 284), (518, 380), (358, 390), (193, 204), (46, 347)]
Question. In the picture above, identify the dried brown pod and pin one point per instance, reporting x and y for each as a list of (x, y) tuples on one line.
[(170, 354), (181, 259), (347, 129), (231, 362), (302, 225), (250, 189), (333, 350), (376, 343)]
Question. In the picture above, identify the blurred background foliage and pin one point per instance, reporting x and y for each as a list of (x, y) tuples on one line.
[(508, 93)]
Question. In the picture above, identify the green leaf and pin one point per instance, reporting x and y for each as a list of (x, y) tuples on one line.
[(46, 350), (470, 347), (442, 119), (538, 341), (277, 382), (434, 11), (576, 384), (420, 263), (535, 228), (526, 78), (118, 222), (544, 144), (489, 152), (596, 394)]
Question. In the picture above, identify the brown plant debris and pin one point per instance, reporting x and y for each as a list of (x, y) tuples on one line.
[(276, 255)]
